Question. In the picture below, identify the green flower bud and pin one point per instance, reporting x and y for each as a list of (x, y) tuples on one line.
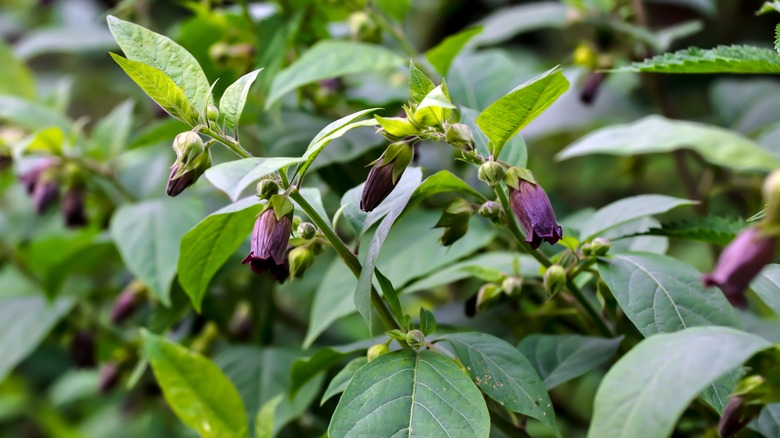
[(296, 221), (771, 191), (415, 339), (307, 230), (512, 285), (267, 188), (554, 279), (212, 113), (376, 351), (455, 221), (459, 136), (487, 293), (300, 260), (600, 246), (490, 209), (587, 249), (188, 146), (492, 173)]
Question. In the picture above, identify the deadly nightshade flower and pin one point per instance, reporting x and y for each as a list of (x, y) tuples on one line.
[(739, 263), (385, 174), (30, 178), (45, 193), (270, 239), (73, 208), (532, 208)]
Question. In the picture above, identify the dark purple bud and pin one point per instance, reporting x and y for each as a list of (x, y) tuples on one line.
[(532, 207), (378, 185), (82, 349), (176, 185), (270, 239), (127, 302), (591, 87), (73, 208), (109, 377), (734, 418), (739, 263), (31, 176), (45, 194)]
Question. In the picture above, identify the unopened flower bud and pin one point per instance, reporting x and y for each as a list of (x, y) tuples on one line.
[(512, 285), (376, 351), (362, 27), (108, 378), (587, 249), (188, 146), (600, 246), (487, 293), (127, 302), (455, 221), (585, 56), (73, 210), (267, 188), (735, 417), (415, 339), (459, 136), (490, 209), (554, 279), (83, 350), (739, 263), (184, 175), (771, 192), (212, 113), (46, 191), (29, 178), (385, 174), (532, 208), (492, 173), (300, 260), (307, 230), (591, 87)]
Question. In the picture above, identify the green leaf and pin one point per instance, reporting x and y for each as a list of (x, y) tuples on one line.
[(444, 53), (769, 6), (332, 131), (306, 368), (16, 79), (208, 245), (231, 105), (340, 381), (504, 374), (655, 134), (155, 133), (427, 322), (264, 422), (508, 115), (647, 390), (560, 358), (661, 294), (197, 391), (32, 116), (767, 286), (419, 394), (112, 131), (507, 22), (629, 209), (406, 186), (768, 422), (443, 181), (331, 59), (711, 229), (162, 53), (147, 235), (160, 88), (235, 176), (721, 59), (514, 152), (394, 8), (419, 84), (261, 374)]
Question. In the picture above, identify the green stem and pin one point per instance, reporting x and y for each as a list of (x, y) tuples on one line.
[(231, 144), (347, 256), (541, 258)]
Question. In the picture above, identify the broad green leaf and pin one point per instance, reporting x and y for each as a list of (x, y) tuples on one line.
[(16, 79), (767, 286), (67, 39), (147, 235), (647, 390), (208, 245), (507, 22), (231, 105), (330, 59), (406, 186), (197, 391), (515, 151), (160, 88), (235, 176), (332, 131), (711, 229), (768, 422), (32, 116), (661, 294), (443, 181), (264, 422), (419, 84), (560, 358), (511, 113), (162, 53), (721, 59), (49, 141), (340, 381), (504, 374), (444, 53), (629, 209), (655, 135), (112, 131), (163, 131), (435, 108), (306, 368), (394, 8), (427, 322), (261, 374), (26, 317), (416, 394)]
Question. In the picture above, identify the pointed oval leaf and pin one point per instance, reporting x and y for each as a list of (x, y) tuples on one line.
[(412, 394), (231, 105), (235, 176), (767, 286), (647, 390), (197, 391), (340, 381), (444, 53), (629, 209)]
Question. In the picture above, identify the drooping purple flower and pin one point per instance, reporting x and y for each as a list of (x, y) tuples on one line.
[(82, 349), (736, 415), (126, 303), (45, 193), (73, 208), (177, 184), (108, 377), (739, 263), (591, 87), (532, 208), (378, 185), (270, 239), (31, 176)]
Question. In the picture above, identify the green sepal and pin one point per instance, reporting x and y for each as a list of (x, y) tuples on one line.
[(282, 206), (515, 174)]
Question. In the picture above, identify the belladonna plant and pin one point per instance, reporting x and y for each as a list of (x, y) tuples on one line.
[(270, 239)]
